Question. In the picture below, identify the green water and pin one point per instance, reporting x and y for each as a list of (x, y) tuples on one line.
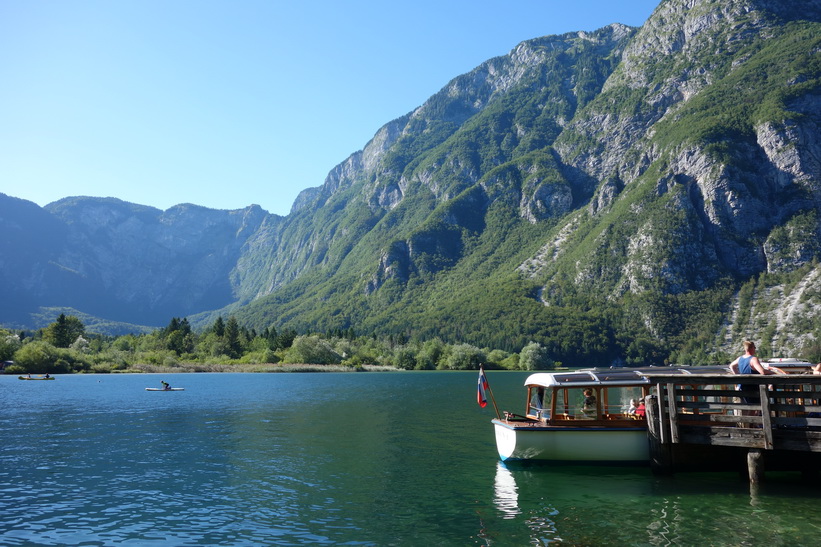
[(337, 459)]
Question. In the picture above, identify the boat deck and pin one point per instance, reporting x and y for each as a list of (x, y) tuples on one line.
[(561, 420)]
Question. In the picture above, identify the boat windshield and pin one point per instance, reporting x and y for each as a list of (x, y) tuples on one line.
[(539, 403)]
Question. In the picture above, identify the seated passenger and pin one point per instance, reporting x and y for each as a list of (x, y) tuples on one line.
[(589, 405), (641, 411)]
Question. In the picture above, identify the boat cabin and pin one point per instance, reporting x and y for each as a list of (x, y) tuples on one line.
[(595, 395)]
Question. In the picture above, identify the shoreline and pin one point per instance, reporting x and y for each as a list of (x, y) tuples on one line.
[(192, 368), (249, 368)]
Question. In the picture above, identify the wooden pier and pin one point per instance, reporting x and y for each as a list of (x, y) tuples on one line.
[(745, 422)]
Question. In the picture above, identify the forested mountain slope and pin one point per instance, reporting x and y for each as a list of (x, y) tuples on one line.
[(605, 193), (643, 194)]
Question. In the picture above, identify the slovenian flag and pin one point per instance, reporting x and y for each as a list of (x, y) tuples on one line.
[(481, 398)]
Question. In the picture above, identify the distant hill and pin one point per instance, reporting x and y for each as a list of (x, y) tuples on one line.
[(642, 194), (119, 261)]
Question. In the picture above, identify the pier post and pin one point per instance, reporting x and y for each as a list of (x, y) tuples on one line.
[(755, 465), (661, 457)]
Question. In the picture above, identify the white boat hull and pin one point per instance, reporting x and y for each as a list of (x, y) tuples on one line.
[(572, 444)]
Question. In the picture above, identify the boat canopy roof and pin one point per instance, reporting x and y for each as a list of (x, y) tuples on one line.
[(786, 361), (614, 376)]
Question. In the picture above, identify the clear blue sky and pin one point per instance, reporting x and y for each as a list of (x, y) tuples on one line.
[(228, 103)]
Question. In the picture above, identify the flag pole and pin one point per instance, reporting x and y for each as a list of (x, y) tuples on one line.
[(492, 398)]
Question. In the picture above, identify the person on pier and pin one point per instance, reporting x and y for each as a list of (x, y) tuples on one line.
[(749, 364)]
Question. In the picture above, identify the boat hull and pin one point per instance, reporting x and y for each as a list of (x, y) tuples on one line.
[(571, 444), (162, 389), (26, 378)]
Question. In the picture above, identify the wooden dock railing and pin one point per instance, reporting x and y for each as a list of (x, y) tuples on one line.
[(757, 414)]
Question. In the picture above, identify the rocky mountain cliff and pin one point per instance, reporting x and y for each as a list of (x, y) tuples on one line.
[(659, 187)]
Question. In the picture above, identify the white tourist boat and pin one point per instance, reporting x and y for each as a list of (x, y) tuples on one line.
[(788, 365), (585, 416)]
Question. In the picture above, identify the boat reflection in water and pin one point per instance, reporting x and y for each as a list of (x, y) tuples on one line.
[(580, 505), (537, 519), (506, 493), (539, 504)]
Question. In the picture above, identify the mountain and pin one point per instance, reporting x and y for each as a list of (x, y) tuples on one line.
[(119, 261), (643, 194)]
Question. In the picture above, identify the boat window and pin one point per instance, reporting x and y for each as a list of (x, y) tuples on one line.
[(576, 404), (539, 405), (623, 400)]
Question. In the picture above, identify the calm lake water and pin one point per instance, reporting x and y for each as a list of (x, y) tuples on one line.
[(338, 459)]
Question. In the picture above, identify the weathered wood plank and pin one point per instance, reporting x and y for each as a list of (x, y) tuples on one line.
[(671, 402), (766, 423)]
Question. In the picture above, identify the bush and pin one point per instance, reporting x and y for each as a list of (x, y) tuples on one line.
[(312, 350), (464, 357), (263, 357), (36, 357), (429, 355), (15, 369), (534, 357), (9, 343), (404, 358)]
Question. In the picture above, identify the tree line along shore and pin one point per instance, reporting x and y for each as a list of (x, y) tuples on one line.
[(65, 347)]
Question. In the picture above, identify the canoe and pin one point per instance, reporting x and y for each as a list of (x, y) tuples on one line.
[(35, 378), (162, 389)]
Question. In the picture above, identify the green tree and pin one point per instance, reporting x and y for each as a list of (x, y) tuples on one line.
[(534, 356), (285, 339), (232, 338), (312, 349), (427, 358), (404, 357), (464, 357), (9, 343), (180, 343), (219, 327), (64, 331), (37, 357)]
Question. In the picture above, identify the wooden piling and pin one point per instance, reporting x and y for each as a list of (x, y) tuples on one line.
[(661, 458), (755, 465)]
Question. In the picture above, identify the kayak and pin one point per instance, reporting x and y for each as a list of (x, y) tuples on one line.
[(35, 378), (163, 389)]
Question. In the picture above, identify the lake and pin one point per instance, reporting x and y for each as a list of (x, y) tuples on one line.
[(405, 458)]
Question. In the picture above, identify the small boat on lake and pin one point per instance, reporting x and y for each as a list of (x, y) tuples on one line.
[(584, 416), (35, 377), (165, 389)]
